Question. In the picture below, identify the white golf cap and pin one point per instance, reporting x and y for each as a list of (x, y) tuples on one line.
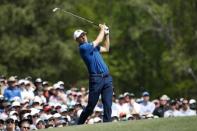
[(16, 103), (12, 113), (34, 111), (77, 33), (56, 115), (192, 101)]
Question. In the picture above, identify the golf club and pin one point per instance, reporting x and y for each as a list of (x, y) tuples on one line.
[(76, 16)]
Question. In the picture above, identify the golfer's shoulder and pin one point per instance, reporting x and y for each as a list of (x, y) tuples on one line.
[(86, 46)]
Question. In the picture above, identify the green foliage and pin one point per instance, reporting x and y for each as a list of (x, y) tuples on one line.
[(153, 42)]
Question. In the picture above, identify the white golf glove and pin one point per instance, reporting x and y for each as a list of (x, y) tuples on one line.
[(106, 30)]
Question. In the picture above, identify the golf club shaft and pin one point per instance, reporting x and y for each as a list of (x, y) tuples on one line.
[(79, 17)]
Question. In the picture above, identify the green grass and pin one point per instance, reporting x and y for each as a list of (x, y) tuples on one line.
[(164, 124)]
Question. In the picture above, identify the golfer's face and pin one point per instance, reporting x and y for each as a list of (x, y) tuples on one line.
[(82, 38)]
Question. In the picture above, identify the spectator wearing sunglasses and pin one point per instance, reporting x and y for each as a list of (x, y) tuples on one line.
[(40, 124), (11, 124), (185, 110), (24, 125), (1, 124)]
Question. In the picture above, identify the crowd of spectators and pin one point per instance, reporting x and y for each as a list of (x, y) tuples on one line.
[(32, 105)]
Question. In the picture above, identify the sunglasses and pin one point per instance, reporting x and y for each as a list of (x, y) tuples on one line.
[(26, 127), (51, 119), (9, 121), (35, 116)]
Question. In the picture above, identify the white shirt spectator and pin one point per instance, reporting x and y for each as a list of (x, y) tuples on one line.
[(172, 113), (187, 112), (147, 108), (27, 94), (135, 108), (123, 109), (114, 109)]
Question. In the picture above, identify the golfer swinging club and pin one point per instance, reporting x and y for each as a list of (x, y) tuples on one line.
[(100, 81)]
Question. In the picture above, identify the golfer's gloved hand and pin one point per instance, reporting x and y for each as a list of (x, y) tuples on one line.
[(106, 30)]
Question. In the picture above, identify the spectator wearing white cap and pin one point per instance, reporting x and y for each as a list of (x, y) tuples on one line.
[(185, 110), (38, 85), (123, 108), (27, 91), (159, 111), (11, 124), (60, 92), (35, 115), (40, 124), (134, 107), (50, 122), (16, 106), (172, 112), (56, 96), (12, 90), (3, 84), (192, 104), (57, 118), (40, 95), (146, 106)]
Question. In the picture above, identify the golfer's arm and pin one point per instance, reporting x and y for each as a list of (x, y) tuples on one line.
[(105, 47), (99, 38)]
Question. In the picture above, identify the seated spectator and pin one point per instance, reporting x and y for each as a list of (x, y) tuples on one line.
[(27, 91), (12, 90), (123, 108), (159, 111), (3, 84), (192, 104), (24, 125), (185, 110), (134, 107), (1, 124), (156, 102), (11, 124), (146, 107), (38, 85), (172, 112), (114, 107)]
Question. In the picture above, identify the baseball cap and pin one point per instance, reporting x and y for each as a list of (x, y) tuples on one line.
[(38, 80), (173, 102), (11, 79), (192, 101), (164, 97), (16, 103), (77, 33), (39, 120), (145, 93)]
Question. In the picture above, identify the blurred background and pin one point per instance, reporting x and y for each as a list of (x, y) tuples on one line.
[(153, 42)]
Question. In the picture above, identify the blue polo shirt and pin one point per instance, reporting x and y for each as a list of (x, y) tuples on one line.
[(11, 92), (92, 58)]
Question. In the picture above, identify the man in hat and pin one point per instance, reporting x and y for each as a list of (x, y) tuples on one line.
[(172, 112), (146, 107), (12, 90), (100, 81), (159, 111)]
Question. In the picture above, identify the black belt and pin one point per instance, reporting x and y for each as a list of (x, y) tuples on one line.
[(100, 75)]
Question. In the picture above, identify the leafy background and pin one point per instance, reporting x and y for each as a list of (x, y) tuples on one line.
[(153, 42)]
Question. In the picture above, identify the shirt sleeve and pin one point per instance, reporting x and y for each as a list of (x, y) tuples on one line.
[(90, 47)]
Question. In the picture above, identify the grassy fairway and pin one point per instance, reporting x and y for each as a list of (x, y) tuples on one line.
[(165, 124)]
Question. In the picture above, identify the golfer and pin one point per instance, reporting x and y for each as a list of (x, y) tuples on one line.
[(100, 81)]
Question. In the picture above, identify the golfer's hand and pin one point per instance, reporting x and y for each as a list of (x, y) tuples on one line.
[(102, 26), (106, 30)]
